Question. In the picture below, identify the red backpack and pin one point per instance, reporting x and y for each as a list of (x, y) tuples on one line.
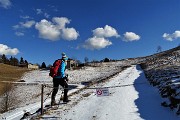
[(54, 69)]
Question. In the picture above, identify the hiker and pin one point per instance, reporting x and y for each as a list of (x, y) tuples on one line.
[(60, 79)]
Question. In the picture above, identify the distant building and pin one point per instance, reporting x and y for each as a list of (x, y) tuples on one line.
[(33, 66), (71, 64)]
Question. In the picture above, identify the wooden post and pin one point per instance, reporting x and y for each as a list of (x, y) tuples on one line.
[(42, 91)]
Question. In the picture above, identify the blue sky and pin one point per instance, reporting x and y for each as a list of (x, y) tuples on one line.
[(40, 30)]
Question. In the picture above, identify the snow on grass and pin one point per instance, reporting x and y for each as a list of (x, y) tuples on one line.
[(134, 102), (28, 92), (129, 102)]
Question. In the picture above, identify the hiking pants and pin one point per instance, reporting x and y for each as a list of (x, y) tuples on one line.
[(56, 83)]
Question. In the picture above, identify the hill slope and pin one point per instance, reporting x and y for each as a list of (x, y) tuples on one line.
[(163, 72), (10, 73)]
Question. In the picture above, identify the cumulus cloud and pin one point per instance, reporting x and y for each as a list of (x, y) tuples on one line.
[(56, 29), (19, 33), (130, 36), (99, 39), (69, 34), (61, 21), (107, 31), (4, 49), (171, 37), (96, 43), (47, 30), (5, 4)]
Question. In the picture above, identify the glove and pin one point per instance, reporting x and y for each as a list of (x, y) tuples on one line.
[(66, 75), (66, 78)]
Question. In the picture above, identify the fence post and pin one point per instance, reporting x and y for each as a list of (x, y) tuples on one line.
[(42, 91)]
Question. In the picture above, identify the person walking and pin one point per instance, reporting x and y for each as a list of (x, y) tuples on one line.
[(60, 79)]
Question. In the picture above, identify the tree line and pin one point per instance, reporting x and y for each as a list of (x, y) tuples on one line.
[(13, 61)]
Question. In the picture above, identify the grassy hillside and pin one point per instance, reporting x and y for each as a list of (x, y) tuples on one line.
[(9, 73), (163, 59)]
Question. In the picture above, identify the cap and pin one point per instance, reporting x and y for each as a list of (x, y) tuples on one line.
[(64, 56)]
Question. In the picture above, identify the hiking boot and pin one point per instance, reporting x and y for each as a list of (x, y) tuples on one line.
[(66, 100)]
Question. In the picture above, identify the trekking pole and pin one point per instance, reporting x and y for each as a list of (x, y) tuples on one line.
[(42, 91)]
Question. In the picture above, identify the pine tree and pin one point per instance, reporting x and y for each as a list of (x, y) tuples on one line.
[(15, 61), (4, 58), (43, 65), (106, 60), (11, 61), (21, 61)]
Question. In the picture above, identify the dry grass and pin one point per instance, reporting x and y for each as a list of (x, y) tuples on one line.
[(9, 73)]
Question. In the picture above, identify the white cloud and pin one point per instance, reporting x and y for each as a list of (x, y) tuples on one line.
[(167, 37), (99, 41), (5, 4), (61, 22), (28, 24), (171, 37), (107, 31), (56, 29), (26, 17), (16, 26), (96, 43), (54, 8), (48, 30), (42, 12), (19, 33), (39, 11), (4, 49), (69, 34), (46, 15), (130, 36), (21, 25)]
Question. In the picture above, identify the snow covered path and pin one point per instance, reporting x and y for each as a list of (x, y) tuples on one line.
[(134, 102)]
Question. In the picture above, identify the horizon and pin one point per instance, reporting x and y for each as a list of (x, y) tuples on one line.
[(39, 31)]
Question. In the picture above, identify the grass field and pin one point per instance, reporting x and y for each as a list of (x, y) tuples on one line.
[(9, 73)]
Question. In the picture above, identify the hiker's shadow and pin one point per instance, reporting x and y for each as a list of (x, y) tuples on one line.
[(149, 101)]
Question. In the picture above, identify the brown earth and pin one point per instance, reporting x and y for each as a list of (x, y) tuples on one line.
[(9, 73)]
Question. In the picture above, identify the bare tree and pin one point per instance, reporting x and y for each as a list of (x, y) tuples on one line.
[(159, 48), (8, 100), (86, 60)]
